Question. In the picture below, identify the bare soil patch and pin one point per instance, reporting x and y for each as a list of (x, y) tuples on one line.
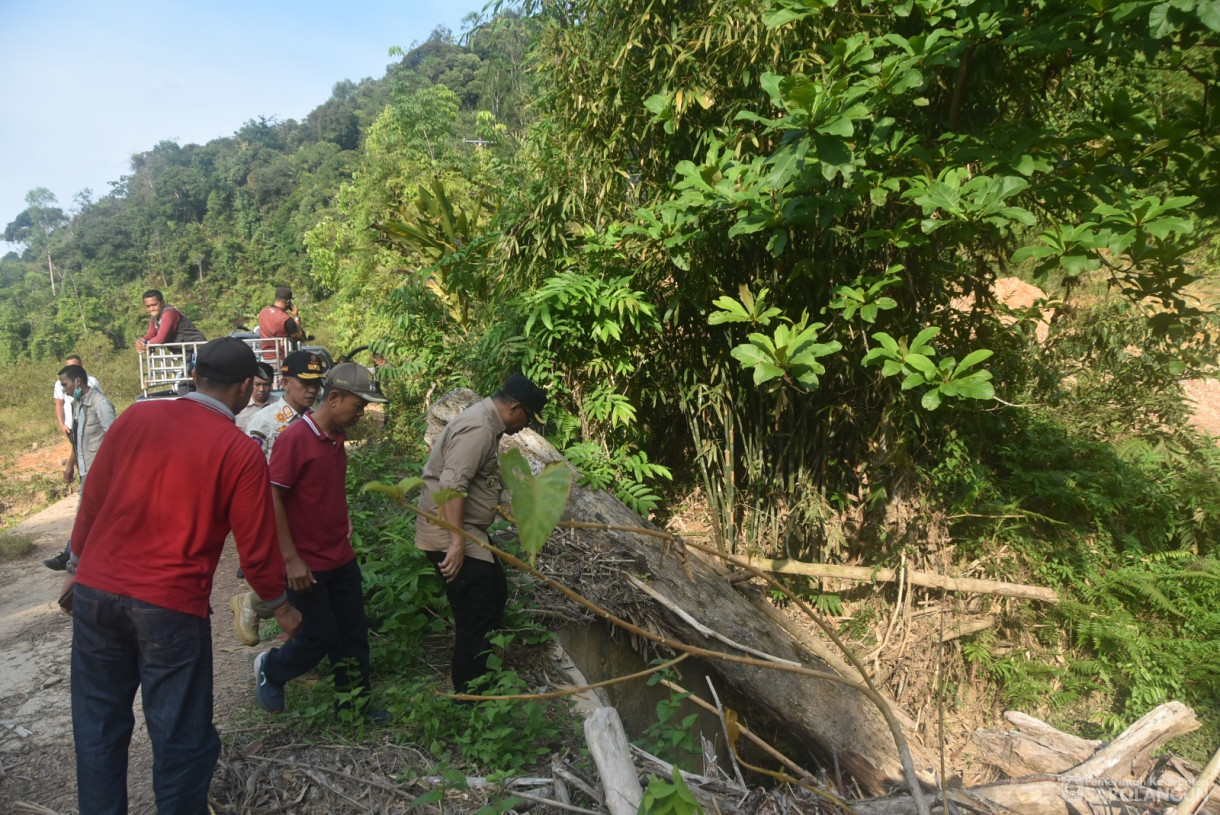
[(33, 478), (1205, 394)]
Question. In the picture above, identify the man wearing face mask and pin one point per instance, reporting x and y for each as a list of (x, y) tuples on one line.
[(92, 415), (63, 409), (301, 374), (465, 459)]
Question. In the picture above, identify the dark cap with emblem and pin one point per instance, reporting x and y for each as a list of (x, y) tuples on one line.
[(283, 293), (354, 378), (303, 365), (531, 397), (226, 359)]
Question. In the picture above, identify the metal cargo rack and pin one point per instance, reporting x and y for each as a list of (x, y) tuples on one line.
[(165, 370)]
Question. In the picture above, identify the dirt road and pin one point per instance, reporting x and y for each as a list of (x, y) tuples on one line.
[(37, 762)]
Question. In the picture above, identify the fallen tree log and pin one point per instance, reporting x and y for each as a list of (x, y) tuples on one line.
[(1035, 795), (1033, 747), (1106, 780), (1129, 755), (868, 574), (831, 720)]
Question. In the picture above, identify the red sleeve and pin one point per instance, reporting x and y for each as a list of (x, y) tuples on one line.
[(285, 461), (169, 326), (152, 329), (252, 518)]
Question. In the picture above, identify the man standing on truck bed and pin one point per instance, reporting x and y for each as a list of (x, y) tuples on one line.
[(144, 553), (166, 323), (281, 319)]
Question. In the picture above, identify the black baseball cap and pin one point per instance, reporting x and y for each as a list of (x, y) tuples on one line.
[(283, 293), (524, 392), (225, 359), (303, 365)]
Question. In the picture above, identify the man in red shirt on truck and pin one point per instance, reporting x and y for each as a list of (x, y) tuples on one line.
[(281, 319), (165, 323), (170, 481)]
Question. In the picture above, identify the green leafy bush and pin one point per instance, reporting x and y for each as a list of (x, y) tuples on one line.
[(672, 736), (669, 797)]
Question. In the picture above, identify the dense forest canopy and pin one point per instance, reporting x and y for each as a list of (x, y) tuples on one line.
[(752, 249)]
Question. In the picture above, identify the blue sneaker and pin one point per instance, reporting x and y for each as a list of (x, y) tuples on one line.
[(270, 696)]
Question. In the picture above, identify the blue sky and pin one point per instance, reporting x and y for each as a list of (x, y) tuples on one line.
[(84, 85)]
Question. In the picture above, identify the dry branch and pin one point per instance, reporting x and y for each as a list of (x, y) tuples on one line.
[(1199, 791), (1033, 747), (800, 771), (700, 627), (1063, 742), (867, 574), (1109, 780), (476, 782)]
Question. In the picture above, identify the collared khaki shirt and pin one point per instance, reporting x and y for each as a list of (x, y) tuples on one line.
[(464, 458), (267, 424)]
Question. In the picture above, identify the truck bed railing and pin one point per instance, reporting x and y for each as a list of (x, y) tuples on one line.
[(167, 368)]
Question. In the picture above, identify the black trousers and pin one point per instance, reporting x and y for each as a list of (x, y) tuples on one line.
[(477, 597), (333, 625)]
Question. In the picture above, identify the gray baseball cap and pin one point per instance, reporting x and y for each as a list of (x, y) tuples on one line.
[(355, 379)]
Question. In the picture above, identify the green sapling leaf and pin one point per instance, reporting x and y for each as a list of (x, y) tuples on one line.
[(538, 501)]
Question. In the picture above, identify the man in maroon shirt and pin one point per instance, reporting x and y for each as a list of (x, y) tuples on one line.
[(171, 479), (166, 323), (308, 471), (280, 319)]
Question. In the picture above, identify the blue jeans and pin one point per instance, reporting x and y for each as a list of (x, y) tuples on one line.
[(118, 644), (333, 624)]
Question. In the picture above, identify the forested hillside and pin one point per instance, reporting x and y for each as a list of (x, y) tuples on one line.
[(215, 225), (752, 250)]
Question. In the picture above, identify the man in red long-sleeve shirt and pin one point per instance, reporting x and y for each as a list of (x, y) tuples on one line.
[(166, 323), (170, 481)]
